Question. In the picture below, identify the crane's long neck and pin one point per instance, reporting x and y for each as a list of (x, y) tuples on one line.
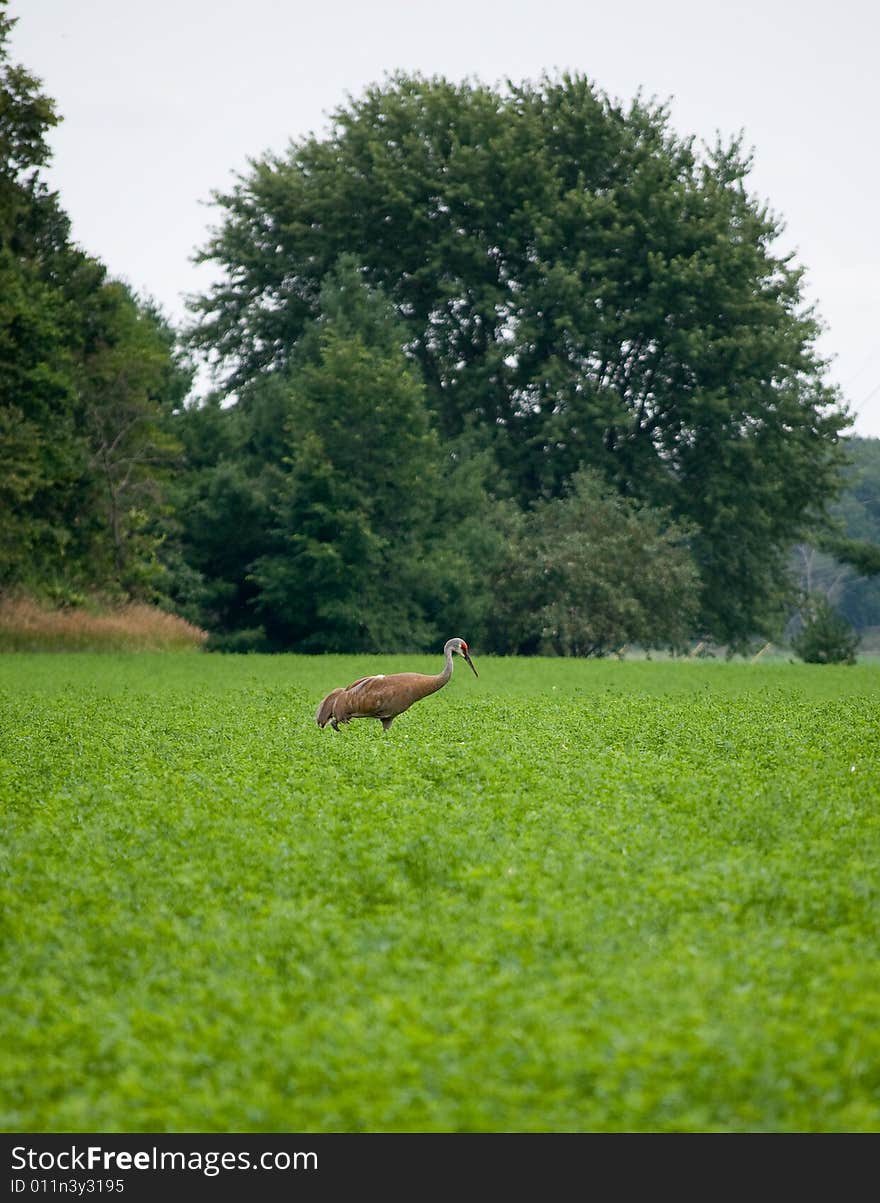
[(447, 671), (440, 679)]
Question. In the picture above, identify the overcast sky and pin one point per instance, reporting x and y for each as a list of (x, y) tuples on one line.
[(163, 102)]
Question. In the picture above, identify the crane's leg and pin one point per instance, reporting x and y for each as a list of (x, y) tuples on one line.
[(386, 723)]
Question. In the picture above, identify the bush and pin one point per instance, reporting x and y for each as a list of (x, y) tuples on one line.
[(251, 640), (592, 571), (825, 637)]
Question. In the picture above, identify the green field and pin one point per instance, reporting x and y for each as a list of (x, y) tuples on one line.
[(567, 896)]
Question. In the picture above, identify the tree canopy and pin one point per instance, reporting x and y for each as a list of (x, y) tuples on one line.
[(579, 287)]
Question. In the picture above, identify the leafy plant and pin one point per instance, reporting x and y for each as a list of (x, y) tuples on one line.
[(570, 895)]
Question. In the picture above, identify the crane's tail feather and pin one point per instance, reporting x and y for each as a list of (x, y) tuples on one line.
[(324, 713)]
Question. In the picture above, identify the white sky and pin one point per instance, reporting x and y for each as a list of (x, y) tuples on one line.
[(162, 102)]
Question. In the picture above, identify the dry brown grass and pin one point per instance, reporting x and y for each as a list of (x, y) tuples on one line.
[(28, 626)]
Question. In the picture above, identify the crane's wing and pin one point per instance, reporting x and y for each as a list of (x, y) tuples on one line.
[(362, 681), (369, 697)]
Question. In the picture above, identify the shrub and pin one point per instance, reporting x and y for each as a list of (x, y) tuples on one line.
[(825, 637), (592, 571), (253, 639)]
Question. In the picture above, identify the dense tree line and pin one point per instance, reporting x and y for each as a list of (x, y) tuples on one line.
[(359, 530), (579, 289), (517, 364)]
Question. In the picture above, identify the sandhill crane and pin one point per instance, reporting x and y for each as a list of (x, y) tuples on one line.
[(384, 697)]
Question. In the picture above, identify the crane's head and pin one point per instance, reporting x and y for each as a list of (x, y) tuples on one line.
[(461, 648)]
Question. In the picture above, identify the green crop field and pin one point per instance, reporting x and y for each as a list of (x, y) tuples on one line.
[(566, 896)]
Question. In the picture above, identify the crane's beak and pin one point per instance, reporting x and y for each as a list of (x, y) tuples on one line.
[(470, 662)]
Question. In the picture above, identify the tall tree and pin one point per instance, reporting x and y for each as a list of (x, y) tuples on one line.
[(131, 380), (89, 377), (357, 497), (35, 370), (579, 287)]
